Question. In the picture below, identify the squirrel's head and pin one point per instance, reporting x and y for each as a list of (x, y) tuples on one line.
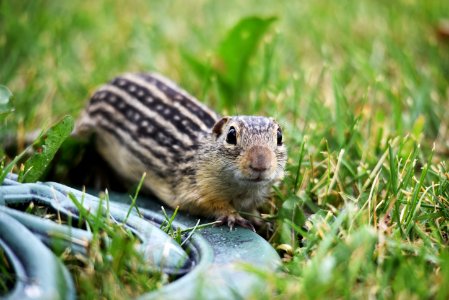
[(254, 144)]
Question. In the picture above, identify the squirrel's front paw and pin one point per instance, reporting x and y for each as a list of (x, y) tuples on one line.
[(234, 219)]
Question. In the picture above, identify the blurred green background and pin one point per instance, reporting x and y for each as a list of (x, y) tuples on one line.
[(384, 56)]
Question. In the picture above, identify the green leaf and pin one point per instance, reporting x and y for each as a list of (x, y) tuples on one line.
[(46, 146), (5, 103), (229, 64), (202, 69), (240, 44)]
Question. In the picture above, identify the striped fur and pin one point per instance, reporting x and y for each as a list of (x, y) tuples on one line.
[(151, 116), (146, 123)]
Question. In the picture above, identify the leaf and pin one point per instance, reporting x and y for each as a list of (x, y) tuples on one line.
[(201, 69), (230, 62), (240, 44), (46, 146), (5, 103)]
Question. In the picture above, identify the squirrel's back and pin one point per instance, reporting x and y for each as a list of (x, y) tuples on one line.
[(148, 118)]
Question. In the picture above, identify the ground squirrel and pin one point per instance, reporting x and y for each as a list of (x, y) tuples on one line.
[(206, 165)]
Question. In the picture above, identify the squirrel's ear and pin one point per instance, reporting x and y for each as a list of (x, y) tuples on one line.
[(218, 127)]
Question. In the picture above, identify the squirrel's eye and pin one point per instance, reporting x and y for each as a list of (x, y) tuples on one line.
[(231, 138), (279, 137)]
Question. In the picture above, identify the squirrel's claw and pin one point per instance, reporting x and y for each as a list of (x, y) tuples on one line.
[(232, 220)]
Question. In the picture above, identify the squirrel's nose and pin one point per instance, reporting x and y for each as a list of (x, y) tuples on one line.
[(260, 158), (258, 168)]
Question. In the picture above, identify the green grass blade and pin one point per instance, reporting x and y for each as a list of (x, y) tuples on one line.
[(46, 147)]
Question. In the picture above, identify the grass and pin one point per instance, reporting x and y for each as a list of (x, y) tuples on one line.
[(360, 87), (112, 268)]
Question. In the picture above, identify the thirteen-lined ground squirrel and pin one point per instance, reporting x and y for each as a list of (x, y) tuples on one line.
[(206, 165)]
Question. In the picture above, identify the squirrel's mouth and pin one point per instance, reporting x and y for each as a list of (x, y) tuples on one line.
[(255, 177), (258, 179)]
